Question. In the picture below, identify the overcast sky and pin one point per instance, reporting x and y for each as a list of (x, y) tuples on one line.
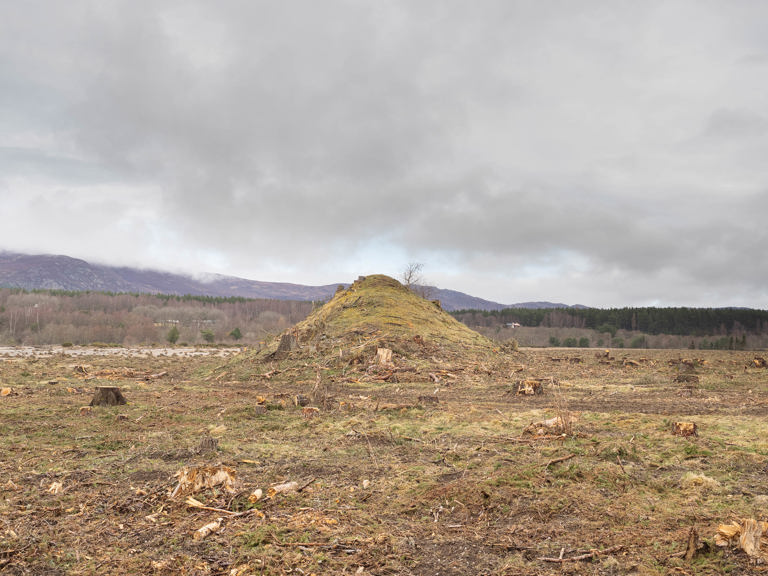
[(608, 153)]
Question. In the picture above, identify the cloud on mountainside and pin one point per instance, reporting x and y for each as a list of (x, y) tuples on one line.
[(592, 152)]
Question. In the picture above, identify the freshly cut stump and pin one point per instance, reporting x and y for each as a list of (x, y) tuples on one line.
[(685, 429), (108, 396)]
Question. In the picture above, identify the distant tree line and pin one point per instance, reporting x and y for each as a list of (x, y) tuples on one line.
[(42, 317), (674, 321)]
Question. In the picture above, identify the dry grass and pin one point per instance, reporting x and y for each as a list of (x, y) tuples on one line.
[(391, 484)]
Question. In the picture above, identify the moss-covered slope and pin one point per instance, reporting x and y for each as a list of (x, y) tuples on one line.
[(377, 311)]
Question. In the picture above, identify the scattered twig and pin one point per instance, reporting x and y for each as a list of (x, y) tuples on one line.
[(532, 439), (561, 459), (370, 449), (304, 544), (197, 504), (693, 546), (588, 556), (412, 439)]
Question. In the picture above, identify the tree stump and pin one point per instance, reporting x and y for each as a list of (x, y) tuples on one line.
[(383, 356), (207, 444), (685, 429), (300, 400), (108, 396), (530, 387), (288, 343)]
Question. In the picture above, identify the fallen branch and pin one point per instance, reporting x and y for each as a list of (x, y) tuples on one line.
[(307, 483), (561, 459), (197, 504), (410, 439), (531, 439), (304, 544), (338, 546), (588, 556)]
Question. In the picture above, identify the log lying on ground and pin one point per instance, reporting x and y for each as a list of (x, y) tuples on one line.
[(108, 396)]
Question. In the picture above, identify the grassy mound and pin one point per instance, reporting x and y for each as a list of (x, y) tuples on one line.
[(379, 312)]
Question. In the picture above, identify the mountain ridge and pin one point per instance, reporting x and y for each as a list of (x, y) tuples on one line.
[(60, 272)]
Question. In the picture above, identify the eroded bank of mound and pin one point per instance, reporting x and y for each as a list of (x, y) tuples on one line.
[(378, 312)]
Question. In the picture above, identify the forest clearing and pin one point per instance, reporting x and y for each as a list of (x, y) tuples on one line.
[(394, 482), (370, 462)]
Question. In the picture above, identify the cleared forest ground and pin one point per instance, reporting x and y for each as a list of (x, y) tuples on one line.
[(426, 473)]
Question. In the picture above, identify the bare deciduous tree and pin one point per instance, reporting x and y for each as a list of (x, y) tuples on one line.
[(412, 275), (413, 279)]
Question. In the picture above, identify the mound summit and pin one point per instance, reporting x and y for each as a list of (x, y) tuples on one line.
[(378, 312)]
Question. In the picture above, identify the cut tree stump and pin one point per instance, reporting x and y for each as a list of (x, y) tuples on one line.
[(384, 356), (300, 400), (288, 343), (108, 396), (207, 444), (532, 386), (685, 429)]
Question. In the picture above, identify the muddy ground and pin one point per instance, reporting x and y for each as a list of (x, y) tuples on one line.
[(426, 473)]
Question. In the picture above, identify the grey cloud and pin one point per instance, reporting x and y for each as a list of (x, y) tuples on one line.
[(727, 124), (618, 145)]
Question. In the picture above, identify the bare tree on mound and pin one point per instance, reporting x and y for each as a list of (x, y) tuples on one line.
[(378, 312)]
